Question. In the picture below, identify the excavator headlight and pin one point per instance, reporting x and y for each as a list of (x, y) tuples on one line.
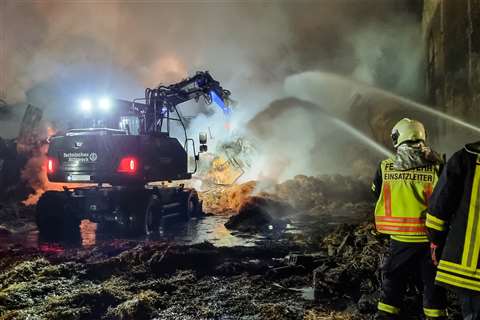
[(86, 105)]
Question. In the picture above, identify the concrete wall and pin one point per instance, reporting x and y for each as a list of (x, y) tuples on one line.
[(451, 29)]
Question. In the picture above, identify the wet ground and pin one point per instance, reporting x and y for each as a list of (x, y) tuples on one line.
[(195, 270), (202, 269), (210, 228)]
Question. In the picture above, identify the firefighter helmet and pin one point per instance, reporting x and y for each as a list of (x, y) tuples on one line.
[(407, 130)]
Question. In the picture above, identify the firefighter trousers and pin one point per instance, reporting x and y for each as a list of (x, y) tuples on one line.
[(410, 263), (470, 303)]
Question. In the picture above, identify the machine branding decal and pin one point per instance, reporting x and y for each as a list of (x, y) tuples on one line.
[(80, 156)]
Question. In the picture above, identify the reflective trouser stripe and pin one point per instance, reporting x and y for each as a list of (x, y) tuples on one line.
[(472, 243), (435, 312), (388, 308), (387, 199)]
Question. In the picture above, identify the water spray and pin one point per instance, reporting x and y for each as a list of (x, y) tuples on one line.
[(429, 110), (362, 137), (338, 90)]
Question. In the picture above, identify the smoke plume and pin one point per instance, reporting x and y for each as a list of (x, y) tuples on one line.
[(53, 53)]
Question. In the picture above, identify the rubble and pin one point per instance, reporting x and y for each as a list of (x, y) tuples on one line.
[(137, 279), (259, 214), (226, 199)]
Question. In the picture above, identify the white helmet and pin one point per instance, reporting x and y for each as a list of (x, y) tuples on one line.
[(408, 130)]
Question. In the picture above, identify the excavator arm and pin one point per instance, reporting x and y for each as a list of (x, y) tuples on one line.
[(202, 85), (159, 106)]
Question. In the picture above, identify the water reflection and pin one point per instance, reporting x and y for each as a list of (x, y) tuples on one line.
[(208, 228), (88, 233)]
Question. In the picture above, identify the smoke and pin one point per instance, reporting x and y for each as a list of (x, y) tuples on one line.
[(54, 53)]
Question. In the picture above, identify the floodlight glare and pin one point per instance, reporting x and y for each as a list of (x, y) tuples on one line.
[(105, 104), (86, 105)]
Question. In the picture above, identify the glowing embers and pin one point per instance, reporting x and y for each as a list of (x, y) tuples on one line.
[(128, 165)]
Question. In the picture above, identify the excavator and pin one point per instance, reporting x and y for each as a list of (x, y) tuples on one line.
[(118, 148)]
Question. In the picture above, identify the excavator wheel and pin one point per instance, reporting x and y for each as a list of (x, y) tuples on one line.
[(53, 217), (193, 206), (153, 215)]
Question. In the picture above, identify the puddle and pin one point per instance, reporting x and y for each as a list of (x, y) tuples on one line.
[(209, 228)]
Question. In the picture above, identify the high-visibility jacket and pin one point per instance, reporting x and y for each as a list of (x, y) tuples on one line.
[(453, 220), (403, 200)]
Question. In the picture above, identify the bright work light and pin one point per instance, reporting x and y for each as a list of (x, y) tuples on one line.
[(86, 105)]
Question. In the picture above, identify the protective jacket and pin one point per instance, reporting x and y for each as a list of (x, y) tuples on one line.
[(402, 200), (453, 219)]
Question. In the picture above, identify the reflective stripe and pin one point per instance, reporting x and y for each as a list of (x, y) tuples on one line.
[(457, 281), (471, 247), (388, 308), (459, 269), (399, 224), (435, 312), (436, 220), (412, 229), (412, 239), (401, 219), (435, 223), (373, 187), (387, 199)]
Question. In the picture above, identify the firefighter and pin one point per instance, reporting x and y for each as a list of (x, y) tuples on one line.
[(403, 185), (453, 224)]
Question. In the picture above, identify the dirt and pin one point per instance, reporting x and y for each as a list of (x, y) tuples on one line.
[(321, 270)]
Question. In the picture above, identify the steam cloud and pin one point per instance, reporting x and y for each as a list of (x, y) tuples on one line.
[(52, 53)]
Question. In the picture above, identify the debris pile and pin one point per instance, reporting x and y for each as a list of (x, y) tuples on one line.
[(161, 280), (16, 217), (226, 199), (257, 213), (326, 194), (131, 281), (351, 266)]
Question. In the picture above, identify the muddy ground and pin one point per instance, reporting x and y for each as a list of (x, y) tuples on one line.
[(263, 267)]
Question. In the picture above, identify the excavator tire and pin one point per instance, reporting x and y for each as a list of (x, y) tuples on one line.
[(53, 217), (193, 207), (153, 216)]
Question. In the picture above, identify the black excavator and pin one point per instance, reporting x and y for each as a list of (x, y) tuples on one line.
[(118, 148)]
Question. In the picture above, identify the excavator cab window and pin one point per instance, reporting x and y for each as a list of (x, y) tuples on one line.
[(130, 124)]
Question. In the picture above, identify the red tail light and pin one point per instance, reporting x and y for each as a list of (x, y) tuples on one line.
[(128, 165), (51, 165)]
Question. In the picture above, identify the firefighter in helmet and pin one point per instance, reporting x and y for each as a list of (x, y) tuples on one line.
[(453, 224), (403, 185)]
